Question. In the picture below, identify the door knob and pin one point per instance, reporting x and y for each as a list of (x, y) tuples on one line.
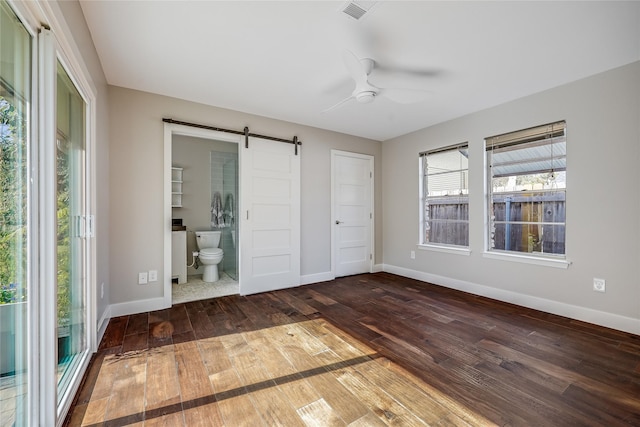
[(338, 222)]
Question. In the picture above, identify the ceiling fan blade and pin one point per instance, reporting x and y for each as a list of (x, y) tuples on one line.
[(333, 107), (355, 67), (405, 96)]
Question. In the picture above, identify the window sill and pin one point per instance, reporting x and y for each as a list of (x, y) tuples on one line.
[(445, 249), (546, 262)]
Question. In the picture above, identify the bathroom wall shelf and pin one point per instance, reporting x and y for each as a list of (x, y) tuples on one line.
[(176, 187)]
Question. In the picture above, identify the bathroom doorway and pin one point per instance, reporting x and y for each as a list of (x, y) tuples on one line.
[(203, 197)]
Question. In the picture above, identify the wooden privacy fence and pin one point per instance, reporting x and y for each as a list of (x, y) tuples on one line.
[(447, 222)]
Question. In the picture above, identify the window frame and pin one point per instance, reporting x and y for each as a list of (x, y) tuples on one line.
[(451, 248), (523, 137)]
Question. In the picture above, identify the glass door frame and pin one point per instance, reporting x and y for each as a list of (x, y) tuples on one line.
[(50, 55)]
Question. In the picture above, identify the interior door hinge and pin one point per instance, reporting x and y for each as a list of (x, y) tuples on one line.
[(370, 256)]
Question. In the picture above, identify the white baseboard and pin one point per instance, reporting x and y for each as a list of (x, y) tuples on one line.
[(139, 306), (102, 324), (609, 320), (377, 268), (316, 278)]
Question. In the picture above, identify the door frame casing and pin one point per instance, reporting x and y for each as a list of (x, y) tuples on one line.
[(334, 154), (171, 129)]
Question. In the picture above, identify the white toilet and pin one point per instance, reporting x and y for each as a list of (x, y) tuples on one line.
[(209, 253)]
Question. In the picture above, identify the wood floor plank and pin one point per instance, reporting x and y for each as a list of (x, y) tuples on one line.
[(197, 393), (587, 383), (169, 420), (299, 391), (381, 404), (296, 334), (202, 414), (236, 408), (213, 355), (345, 404), (114, 334), (333, 342), (95, 413), (162, 390), (320, 414), (274, 407), (560, 413), (299, 305), (368, 420), (425, 401), (126, 403), (137, 324), (345, 336), (135, 342), (238, 319), (276, 366), (193, 377), (90, 379), (104, 382)]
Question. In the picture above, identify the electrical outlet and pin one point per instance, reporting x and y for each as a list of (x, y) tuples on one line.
[(413, 255), (142, 278), (599, 285), (153, 275)]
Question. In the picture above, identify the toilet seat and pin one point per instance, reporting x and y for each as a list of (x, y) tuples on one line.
[(209, 252)]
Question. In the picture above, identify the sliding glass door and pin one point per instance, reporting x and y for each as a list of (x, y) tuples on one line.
[(71, 230), (45, 245), (15, 290)]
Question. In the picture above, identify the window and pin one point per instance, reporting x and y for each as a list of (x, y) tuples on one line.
[(445, 196), (527, 185)]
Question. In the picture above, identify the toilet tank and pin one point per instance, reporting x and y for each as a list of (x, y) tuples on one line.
[(208, 239)]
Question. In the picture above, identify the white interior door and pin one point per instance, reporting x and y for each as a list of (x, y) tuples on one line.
[(270, 216), (352, 198)]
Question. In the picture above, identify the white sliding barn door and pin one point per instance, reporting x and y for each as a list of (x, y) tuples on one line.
[(270, 216), (352, 206)]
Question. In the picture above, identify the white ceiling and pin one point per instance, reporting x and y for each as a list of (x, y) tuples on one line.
[(283, 60)]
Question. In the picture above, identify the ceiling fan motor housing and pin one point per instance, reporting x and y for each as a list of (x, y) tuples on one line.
[(365, 97)]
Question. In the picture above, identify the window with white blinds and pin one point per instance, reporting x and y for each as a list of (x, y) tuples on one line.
[(527, 181), (445, 196)]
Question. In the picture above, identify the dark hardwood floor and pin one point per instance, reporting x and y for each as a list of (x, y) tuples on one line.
[(374, 349)]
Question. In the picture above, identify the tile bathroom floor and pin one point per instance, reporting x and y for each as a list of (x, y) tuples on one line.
[(195, 289)]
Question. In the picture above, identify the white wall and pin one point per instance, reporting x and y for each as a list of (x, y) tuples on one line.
[(603, 202), (136, 185)]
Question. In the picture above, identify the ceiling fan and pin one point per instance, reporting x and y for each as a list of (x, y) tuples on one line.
[(365, 92)]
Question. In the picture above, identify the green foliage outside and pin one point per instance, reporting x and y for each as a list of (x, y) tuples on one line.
[(13, 217), (64, 240), (13, 202)]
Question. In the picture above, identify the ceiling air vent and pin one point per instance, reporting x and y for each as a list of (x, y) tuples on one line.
[(357, 9)]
